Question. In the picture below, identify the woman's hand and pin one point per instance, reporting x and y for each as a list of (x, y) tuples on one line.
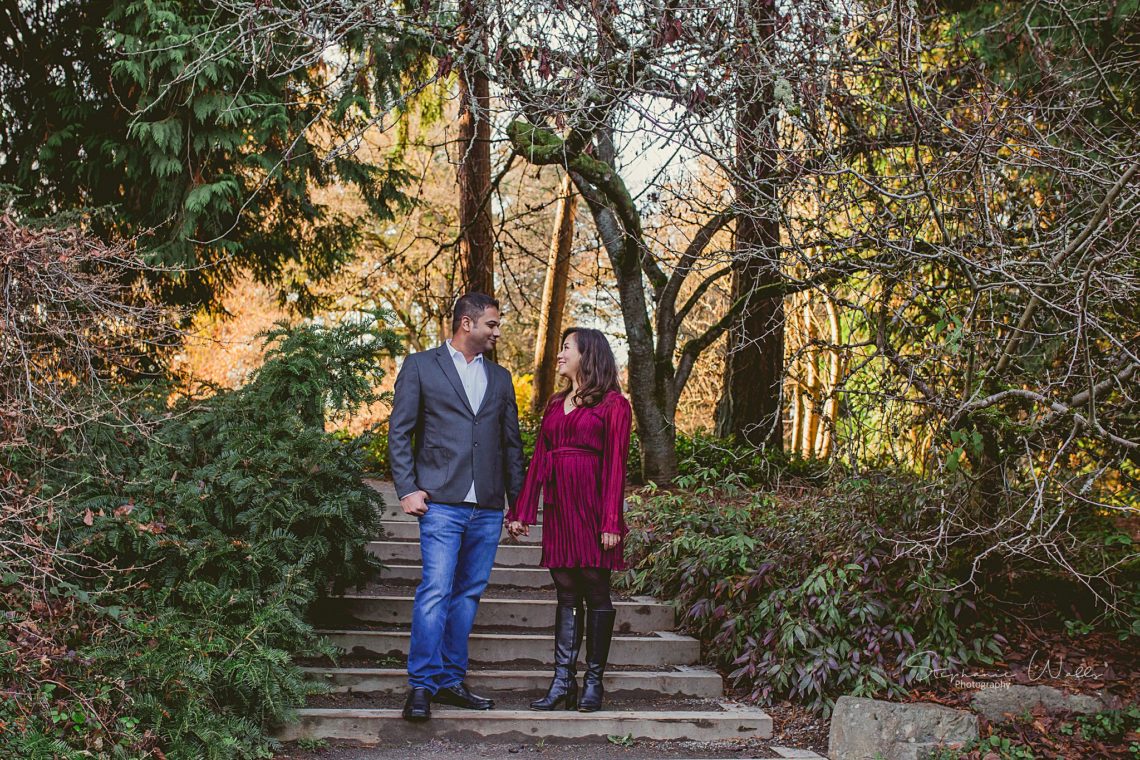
[(610, 540), (516, 529)]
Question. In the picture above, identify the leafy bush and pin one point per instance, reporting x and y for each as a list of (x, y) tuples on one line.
[(808, 599), (198, 548), (704, 458), (375, 444)]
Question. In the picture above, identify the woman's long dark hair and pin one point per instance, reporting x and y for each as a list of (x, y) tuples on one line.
[(597, 369)]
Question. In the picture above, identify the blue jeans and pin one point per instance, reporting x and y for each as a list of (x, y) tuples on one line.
[(458, 546)]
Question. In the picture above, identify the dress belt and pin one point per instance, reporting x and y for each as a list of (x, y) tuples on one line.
[(574, 450)]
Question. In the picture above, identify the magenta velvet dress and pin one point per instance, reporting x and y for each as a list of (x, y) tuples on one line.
[(579, 469)]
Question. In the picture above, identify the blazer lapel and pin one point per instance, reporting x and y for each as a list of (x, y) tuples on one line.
[(490, 383), (443, 358)]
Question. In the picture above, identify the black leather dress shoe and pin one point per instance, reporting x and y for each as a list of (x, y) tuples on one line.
[(417, 707), (460, 696)]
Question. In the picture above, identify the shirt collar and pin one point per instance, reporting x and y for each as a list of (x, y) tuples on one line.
[(454, 353)]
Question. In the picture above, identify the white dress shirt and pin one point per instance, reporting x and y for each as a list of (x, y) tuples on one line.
[(474, 377)]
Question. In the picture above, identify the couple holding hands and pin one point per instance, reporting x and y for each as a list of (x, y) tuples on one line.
[(456, 458)]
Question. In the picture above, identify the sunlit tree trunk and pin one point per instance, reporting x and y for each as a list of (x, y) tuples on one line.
[(554, 294), (811, 382), (797, 413), (826, 438)]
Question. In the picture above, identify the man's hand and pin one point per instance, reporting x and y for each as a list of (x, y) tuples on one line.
[(610, 540), (516, 529), (415, 504)]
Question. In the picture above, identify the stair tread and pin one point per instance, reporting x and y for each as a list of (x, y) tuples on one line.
[(499, 595), (407, 530), (364, 662), (387, 588), (515, 706), (415, 542), (522, 633), (416, 565), (673, 670)]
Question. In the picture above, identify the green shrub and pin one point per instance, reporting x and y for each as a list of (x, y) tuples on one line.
[(806, 600), (706, 459), (376, 453), (197, 550)]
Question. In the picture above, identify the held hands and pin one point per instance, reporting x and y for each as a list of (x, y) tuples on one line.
[(516, 529), (415, 504)]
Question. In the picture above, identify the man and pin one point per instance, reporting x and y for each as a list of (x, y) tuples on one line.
[(456, 456)]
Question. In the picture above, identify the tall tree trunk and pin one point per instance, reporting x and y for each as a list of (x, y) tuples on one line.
[(554, 294), (477, 238), (652, 376), (754, 368), (835, 376), (797, 407), (811, 382)]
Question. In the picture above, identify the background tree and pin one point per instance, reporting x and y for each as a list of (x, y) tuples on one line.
[(137, 111), (751, 398), (962, 225), (554, 290), (477, 239)]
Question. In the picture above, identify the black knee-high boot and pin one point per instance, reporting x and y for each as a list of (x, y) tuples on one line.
[(563, 691), (599, 632)]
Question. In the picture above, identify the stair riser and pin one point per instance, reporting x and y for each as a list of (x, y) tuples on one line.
[(403, 552), (632, 617), (494, 649), (700, 684), (520, 577), (404, 530), (393, 511), (514, 726)]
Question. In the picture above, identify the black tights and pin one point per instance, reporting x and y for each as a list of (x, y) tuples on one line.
[(574, 584)]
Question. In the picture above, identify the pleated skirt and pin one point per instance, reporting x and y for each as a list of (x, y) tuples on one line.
[(572, 521)]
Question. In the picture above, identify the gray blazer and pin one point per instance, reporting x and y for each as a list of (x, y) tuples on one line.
[(436, 443)]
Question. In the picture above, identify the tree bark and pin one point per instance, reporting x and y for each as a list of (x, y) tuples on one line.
[(811, 382), (655, 382), (750, 405), (477, 236), (835, 376), (554, 295)]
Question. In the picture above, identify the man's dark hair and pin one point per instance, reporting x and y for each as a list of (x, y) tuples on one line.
[(470, 305)]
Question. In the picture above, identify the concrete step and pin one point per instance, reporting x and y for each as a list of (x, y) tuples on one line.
[(661, 648), (523, 577), (368, 726), (392, 511), (407, 552), (407, 530), (641, 614), (680, 681)]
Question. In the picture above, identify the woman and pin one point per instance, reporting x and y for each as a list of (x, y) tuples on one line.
[(579, 469)]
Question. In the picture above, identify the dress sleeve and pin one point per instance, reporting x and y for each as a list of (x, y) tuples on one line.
[(618, 418), (525, 508)]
